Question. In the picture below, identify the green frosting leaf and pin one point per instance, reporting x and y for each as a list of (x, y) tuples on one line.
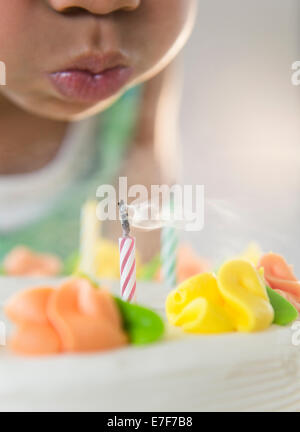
[(142, 324), (284, 311)]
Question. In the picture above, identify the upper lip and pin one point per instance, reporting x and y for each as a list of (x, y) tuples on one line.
[(96, 63)]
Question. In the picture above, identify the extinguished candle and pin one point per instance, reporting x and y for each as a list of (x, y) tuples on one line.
[(127, 258)]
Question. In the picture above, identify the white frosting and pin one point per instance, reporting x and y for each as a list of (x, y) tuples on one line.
[(254, 372)]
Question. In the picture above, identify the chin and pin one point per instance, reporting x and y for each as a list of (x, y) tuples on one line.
[(65, 111)]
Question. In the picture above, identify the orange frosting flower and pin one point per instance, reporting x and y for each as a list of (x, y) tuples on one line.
[(76, 317), (21, 261), (280, 277)]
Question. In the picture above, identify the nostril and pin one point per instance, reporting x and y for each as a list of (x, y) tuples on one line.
[(74, 11), (94, 7)]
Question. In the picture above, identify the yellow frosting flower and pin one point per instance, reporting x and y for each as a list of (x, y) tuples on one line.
[(246, 299), (237, 300), (197, 306)]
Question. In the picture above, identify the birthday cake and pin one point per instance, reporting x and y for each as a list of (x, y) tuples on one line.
[(219, 341), (167, 335)]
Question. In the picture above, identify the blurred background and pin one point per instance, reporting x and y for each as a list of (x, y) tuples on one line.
[(240, 115)]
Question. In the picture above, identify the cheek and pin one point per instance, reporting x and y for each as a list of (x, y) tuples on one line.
[(161, 25), (168, 18), (176, 11), (13, 21)]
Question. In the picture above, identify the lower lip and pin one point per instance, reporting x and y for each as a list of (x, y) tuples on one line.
[(86, 87)]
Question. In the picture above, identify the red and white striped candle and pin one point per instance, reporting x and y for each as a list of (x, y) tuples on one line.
[(127, 268)]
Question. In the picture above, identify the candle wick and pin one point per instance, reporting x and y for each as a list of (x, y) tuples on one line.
[(124, 218)]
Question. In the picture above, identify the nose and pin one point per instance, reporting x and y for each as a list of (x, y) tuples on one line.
[(97, 7)]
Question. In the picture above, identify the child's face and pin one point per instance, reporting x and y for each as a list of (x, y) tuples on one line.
[(69, 58)]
